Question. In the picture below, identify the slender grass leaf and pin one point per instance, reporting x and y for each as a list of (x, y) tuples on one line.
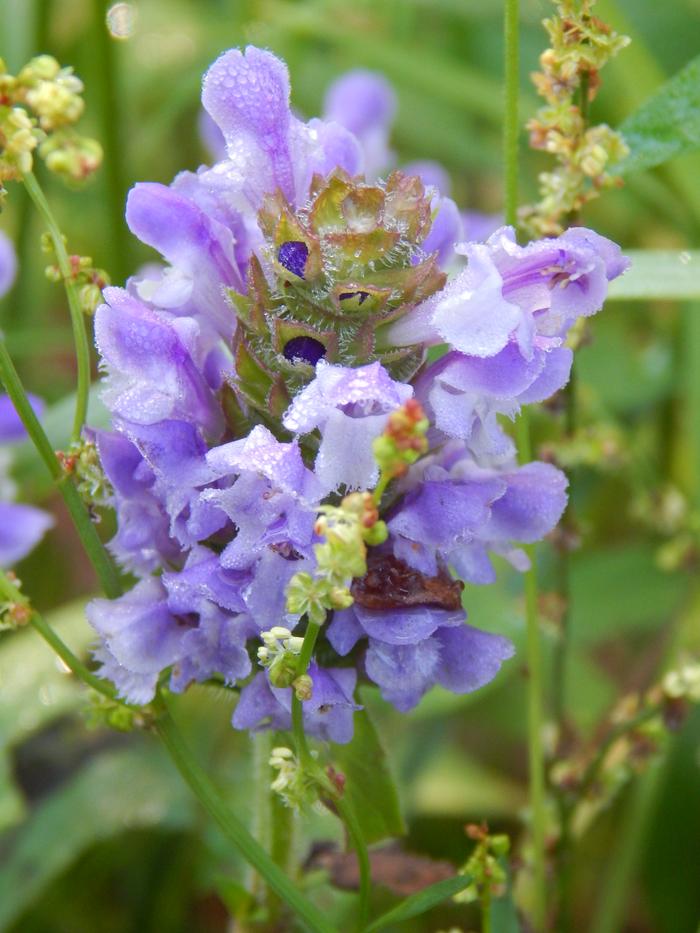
[(91, 807), (667, 125), (420, 903), (672, 275), (34, 687)]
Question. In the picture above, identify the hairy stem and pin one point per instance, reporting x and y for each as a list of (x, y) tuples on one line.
[(80, 338), (95, 549)]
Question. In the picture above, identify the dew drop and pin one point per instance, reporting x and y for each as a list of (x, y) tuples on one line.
[(121, 20)]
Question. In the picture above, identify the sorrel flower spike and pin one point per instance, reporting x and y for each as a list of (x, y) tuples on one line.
[(337, 269)]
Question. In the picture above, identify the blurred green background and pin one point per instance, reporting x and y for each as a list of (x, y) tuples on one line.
[(96, 830)]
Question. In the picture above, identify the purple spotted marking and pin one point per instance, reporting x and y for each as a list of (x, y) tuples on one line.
[(361, 296), (304, 350), (293, 255)]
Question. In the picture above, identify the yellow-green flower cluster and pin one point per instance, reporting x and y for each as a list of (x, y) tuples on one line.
[(581, 44), (38, 108), (347, 529), (484, 865)]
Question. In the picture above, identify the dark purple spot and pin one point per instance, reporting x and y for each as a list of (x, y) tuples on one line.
[(361, 296), (304, 350), (293, 255)]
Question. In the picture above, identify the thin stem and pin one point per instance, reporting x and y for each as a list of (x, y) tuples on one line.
[(307, 761), (74, 664), (233, 829), (486, 914), (111, 107), (80, 338), (307, 650), (355, 831), (534, 659), (99, 558), (511, 126)]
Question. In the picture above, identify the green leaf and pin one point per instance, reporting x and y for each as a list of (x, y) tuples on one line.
[(419, 903), (672, 275), (34, 687), (667, 125), (369, 786), (91, 807)]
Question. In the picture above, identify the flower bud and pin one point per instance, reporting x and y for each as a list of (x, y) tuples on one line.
[(303, 687)]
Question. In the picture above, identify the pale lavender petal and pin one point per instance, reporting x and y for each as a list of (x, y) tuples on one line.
[(403, 672), (8, 264), (432, 174), (469, 657), (410, 625), (247, 95), (195, 244), (151, 374), (350, 406), (531, 506), (11, 426), (21, 529), (138, 628)]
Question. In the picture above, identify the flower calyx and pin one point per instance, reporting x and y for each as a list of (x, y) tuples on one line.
[(335, 271)]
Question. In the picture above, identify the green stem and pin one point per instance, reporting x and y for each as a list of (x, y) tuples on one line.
[(94, 547), (233, 828), (614, 891), (486, 913), (307, 650), (355, 831), (307, 761), (74, 664), (110, 91), (511, 125), (511, 133), (80, 338)]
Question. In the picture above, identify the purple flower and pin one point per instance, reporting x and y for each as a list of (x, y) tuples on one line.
[(247, 96), (142, 543), (170, 622), (151, 372), (411, 650), (199, 248), (350, 407), (215, 511), (463, 395), (327, 715), (21, 526), (530, 295), (140, 635), (272, 500), (457, 513), (365, 103)]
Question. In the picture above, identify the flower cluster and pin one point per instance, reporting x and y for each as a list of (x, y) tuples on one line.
[(581, 44), (254, 380), (21, 526), (38, 109)]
